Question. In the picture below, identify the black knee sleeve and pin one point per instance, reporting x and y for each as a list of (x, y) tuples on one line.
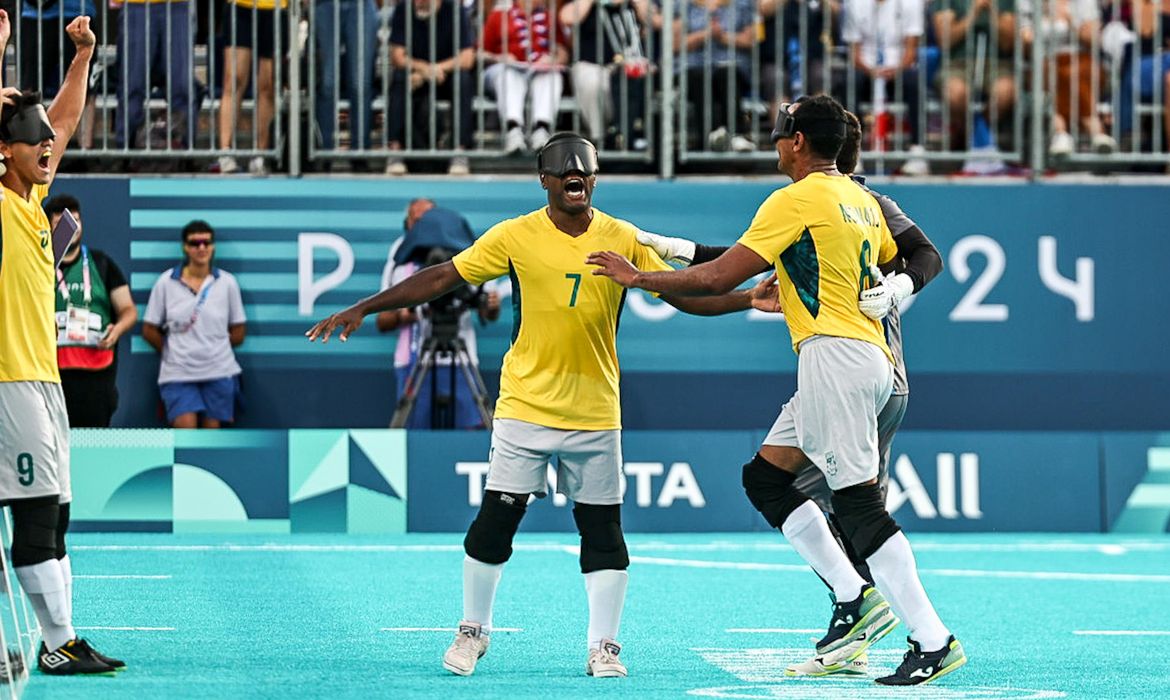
[(603, 546), (62, 528), (854, 558), (489, 539), (770, 490), (864, 521), (34, 530)]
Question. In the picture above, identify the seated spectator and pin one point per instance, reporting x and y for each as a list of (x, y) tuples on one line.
[(973, 33), (883, 38), (445, 64), (718, 34), (792, 60), (610, 66), (1071, 32), (1147, 20), (154, 46), (527, 48), (349, 26), (94, 310), (46, 52), (195, 317), (250, 33)]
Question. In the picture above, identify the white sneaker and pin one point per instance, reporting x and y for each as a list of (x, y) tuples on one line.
[(986, 161), (469, 647), (916, 166), (717, 139), (539, 137), (395, 166), (1062, 145), (826, 666), (257, 166), (742, 144), (226, 165), (514, 140), (604, 663), (459, 166), (1104, 144)]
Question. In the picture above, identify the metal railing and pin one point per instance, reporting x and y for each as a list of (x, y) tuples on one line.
[(985, 85)]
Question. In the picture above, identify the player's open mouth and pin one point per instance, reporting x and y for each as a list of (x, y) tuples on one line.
[(575, 188), (43, 161)]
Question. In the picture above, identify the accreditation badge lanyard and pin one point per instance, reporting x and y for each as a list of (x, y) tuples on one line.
[(77, 317), (198, 306)]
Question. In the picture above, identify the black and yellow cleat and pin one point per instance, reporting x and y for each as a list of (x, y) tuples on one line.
[(926, 666), (73, 658), (116, 664)]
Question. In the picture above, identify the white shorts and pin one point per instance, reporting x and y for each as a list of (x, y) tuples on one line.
[(34, 442), (588, 462), (841, 386)]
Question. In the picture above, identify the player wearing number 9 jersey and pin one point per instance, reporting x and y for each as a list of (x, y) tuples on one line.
[(559, 398)]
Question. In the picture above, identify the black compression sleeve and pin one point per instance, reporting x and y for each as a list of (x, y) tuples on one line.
[(923, 262), (707, 253)]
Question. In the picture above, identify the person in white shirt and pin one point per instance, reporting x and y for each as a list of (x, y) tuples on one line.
[(883, 38)]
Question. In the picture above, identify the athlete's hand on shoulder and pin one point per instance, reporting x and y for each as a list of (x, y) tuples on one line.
[(79, 31), (678, 250), (347, 321), (613, 266), (766, 295)]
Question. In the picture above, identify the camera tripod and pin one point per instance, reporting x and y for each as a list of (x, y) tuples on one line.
[(442, 344)]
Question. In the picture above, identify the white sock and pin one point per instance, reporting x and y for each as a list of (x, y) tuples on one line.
[(808, 532), (896, 574), (479, 591), (45, 585), (67, 575), (606, 591)]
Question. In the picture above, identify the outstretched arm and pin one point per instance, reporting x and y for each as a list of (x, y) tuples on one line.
[(765, 296), (715, 278), (65, 112), (428, 284)]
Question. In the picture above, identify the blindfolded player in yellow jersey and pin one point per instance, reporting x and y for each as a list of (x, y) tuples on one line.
[(559, 397), (824, 234)]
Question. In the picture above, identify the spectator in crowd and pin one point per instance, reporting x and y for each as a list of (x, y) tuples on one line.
[(1071, 31), (195, 317), (154, 46), (974, 33), (252, 31), (1146, 21), (718, 34), (94, 310), (46, 52), (405, 259), (349, 26), (610, 66), (445, 64), (883, 38), (526, 46), (797, 36)]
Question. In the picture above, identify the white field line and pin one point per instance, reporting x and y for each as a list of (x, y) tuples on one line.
[(959, 573), (770, 630), (1124, 633), (1113, 548), (494, 630), (129, 629), (143, 577)]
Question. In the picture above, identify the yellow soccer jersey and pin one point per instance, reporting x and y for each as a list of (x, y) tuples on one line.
[(562, 369), (823, 233), (28, 326)]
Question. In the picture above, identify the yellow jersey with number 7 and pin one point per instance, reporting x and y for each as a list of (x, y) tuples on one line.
[(562, 368), (822, 234)]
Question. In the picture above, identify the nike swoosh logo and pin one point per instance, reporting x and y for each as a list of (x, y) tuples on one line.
[(923, 672)]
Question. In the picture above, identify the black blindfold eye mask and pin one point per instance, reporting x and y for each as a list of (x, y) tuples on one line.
[(570, 155)]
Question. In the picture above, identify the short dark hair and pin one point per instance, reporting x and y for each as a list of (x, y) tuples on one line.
[(822, 111), (21, 100), (197, 226), (59, 203), (851, 149)]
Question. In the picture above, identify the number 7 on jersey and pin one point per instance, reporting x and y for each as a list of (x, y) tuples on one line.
[(576, 277)]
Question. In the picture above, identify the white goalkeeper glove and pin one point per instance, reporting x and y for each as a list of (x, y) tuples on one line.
[(889, 292), (678, 250)]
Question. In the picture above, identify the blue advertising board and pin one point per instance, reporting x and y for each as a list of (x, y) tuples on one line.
[(1041, 320)]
